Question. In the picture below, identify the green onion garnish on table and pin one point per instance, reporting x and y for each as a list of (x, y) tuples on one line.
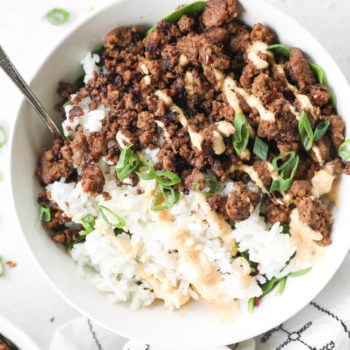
[(57, 16), (2, 267)]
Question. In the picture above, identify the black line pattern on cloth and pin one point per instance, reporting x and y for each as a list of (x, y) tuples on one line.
[(295, 336), (93, 333), (329, 313)]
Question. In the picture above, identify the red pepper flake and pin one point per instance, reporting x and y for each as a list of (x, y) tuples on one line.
[(11, 264), (256, 301)]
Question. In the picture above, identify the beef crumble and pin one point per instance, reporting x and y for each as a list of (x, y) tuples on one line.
[(172, 90)]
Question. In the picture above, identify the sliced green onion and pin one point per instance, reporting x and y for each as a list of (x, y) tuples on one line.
[(251, 304), (282, 286), (280, 49), (197, 6), (232, 223), (344, 150), (45, 214), (127, 164), (261, 148), (88, 222), (57, 16), (2, 137), (67, 103), (2, 267), (321, 76), (150, 172), (285, 227), (98, 50), (322, 79), (211, 185), (241, 136), (305, 131), (300, 272), (273, 282), (269, 285), (165, 199), (79, 82), (167, 178), (110, 217), (69, 246), (286, 171), (321, 129), (332, 97)]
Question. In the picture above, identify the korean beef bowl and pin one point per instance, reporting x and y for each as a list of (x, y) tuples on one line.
[(199, 182)]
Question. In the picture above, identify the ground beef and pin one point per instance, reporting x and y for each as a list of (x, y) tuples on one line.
[(200, 50), (262, 33), (263, 172), (186, 23), (79, 148), (217, 203), (301, 188), (336, 130), (299, 71), (191, 178), (66, 89), (275, 212), (97, 146), (92, 179), (217, 12), (319, 95), (324, 150), (76, 111), (315, 214), (241, 203), (55, 163), (3, 346)]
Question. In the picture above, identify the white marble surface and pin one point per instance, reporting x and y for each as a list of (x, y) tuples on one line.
[(25, 296)]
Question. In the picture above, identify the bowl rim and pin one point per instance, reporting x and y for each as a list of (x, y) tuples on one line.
[(16, 335), (22, 105)]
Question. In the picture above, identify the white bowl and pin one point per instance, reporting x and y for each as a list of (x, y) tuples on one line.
[(194, 324), (14, 334)]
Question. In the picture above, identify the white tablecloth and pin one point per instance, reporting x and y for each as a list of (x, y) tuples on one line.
[(25, 296)]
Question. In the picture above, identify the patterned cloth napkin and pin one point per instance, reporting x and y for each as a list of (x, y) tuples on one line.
[(324, 324)]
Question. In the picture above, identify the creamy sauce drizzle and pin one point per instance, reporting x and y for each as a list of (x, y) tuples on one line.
[(231, 89), (253, 51), (308, 251), (196, 138), (322, 181)]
